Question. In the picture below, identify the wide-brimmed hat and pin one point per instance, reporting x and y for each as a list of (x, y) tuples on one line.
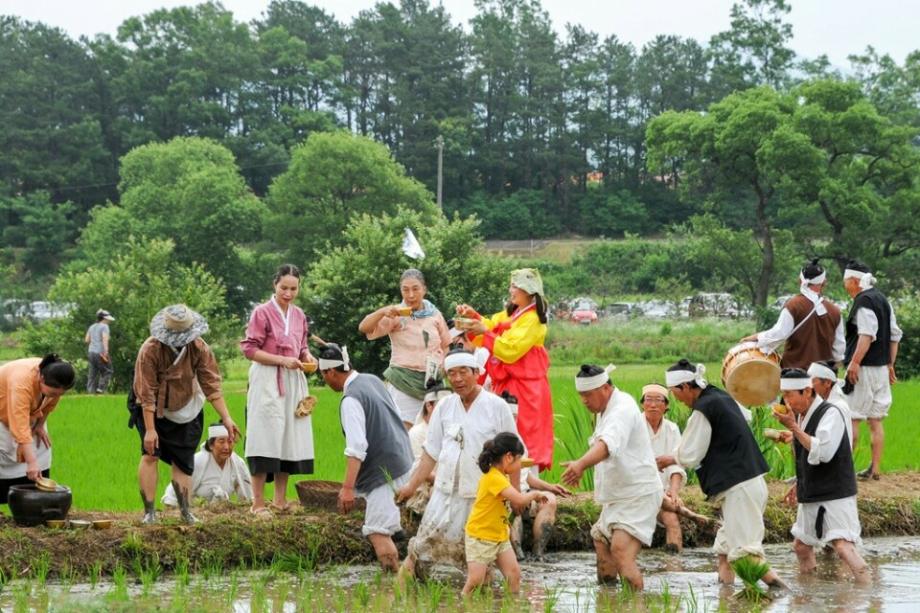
[(177, 325)]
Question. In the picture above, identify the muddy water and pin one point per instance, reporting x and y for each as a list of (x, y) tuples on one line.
[(564, 583)]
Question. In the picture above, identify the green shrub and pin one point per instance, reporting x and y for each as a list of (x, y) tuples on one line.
[(908, 314)]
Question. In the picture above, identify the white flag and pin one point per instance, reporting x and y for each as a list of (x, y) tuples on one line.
[(411, 247)]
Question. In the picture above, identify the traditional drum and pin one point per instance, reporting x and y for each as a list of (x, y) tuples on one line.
[(749, 375)]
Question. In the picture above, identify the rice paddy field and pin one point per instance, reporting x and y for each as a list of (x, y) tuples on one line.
[(97, 455)]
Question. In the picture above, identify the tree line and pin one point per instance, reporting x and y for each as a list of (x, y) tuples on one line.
[(544, 133)]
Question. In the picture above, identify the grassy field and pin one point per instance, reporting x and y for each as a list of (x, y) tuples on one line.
[(97, 455)]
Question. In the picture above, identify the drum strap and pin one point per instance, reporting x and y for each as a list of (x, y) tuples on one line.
[(804, 319)]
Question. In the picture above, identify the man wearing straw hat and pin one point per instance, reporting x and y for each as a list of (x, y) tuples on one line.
[(873, 336), (719, 444), (825, 480), (626, 481), (377, 449), (175, 372)]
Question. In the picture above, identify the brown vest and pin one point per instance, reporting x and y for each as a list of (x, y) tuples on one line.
[(814, 340)]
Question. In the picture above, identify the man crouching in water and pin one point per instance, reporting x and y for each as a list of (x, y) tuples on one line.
[(377, 448)]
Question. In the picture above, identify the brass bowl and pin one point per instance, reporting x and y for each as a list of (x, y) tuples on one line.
[(56, 523), (46, 485), (309, 367), (102, 524), (526, 462), (80, 524), (404, 311)]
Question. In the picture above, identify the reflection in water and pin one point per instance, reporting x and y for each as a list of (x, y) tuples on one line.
[(566, 582)]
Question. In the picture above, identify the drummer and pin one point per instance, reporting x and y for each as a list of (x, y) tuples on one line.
[(721, 447), (810, 325), (29, 391)]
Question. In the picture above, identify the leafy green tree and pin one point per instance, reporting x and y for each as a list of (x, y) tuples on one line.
[(51, 137), (43, 231), (333, 179), (362, 275), (134, 285), (189, 191)]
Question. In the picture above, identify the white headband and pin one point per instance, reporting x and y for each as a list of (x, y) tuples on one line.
[(820, 371), (586, 384), (673, 378), (792, 384), (866, 280), (461, 358), (816, 281), (437, 395), (329, 364), (217, 431)]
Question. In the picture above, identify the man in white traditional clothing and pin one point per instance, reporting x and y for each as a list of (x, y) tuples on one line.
[(809, 327), (461, 424), (219, 473), (719, 444), (824, 381), (377, 449), (626, 481), (872, 339), (825, 479), (665, 437)]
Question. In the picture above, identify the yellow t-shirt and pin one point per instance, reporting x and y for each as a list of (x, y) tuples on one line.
[(488, 519)]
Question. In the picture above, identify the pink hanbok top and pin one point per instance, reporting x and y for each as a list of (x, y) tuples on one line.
[(272, 332)]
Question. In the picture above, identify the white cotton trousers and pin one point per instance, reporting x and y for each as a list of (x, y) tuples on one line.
[(742, 528), (382, 515), (841, 521)]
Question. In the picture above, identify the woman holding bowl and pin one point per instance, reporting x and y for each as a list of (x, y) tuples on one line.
[(418, 336), (519, 362), (278, 441)]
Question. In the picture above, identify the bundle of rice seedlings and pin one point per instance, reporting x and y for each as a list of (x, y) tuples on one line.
[(750, 569)]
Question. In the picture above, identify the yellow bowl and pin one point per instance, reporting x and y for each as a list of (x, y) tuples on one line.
[(526, 462), (56, 523), (780, 408), (45, 484), (404, 311), (102, 524), (309, 367)]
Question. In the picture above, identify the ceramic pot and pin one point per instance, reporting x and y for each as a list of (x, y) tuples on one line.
[(30, 506)]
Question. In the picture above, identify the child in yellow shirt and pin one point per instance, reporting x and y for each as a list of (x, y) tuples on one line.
[(487, 529)]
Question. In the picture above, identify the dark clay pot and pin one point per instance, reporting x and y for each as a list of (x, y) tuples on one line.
[(30, 506)]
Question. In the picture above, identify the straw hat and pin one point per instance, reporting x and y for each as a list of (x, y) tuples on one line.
[(177, 325)]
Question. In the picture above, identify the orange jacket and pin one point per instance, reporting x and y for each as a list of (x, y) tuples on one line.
[(21, 400)]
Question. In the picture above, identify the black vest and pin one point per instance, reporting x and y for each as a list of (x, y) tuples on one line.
[(879, 353), (733, 455), (827, 480), (389, 454)]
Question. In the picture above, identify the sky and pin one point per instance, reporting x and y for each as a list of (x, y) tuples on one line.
[(835, 27)]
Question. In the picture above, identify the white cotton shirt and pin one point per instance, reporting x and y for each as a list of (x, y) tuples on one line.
[(867, 324), (213, 483), (456, 436), (770, 340), (826, 439), (694, 443), (666, 442), (630, 469), (353, 423), (417, 435)]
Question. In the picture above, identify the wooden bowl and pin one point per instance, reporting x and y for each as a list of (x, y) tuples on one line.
[(309, 367), (56, 523), (404, 311), (102, 524)]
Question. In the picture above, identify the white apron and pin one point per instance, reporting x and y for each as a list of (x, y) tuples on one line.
[(272, 430), (10, 467)]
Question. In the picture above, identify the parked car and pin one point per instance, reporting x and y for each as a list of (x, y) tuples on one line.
[(718, 304), (584, 311)]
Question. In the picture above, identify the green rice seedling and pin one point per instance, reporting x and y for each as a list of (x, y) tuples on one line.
[(148, 572), (550, 599), (40, 568), (120, 579), (257, 598), (182, 572), (750, 571), (234, 588), (340, 599), (436, 591), (22, 602), (362, 595), (693, 603), (95, 572)]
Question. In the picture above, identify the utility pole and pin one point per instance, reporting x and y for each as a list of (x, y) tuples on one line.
[(439, 143)]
